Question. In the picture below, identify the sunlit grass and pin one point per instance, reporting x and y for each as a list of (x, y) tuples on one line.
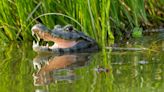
[(99, 19)]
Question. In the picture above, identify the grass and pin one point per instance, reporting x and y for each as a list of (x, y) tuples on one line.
[(103, 20)]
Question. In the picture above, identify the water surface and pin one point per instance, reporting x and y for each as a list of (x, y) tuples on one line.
[(23, 70)]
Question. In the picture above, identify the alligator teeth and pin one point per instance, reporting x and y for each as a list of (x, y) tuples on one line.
[(33, 33), (37, 66), (38, 37), (35, 44), (47, 45)]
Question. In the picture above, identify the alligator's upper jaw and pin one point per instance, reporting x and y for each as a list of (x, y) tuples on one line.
[(46, 36)]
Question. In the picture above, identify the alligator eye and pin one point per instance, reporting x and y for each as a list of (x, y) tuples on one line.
[(69, 28)]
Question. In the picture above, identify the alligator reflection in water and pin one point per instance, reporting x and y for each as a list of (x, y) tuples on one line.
[(50, 67)]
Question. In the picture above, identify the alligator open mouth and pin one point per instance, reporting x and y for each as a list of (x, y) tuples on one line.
[(42, 32)]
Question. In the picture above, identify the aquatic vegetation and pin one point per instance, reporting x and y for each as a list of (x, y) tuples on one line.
[(137, 32)]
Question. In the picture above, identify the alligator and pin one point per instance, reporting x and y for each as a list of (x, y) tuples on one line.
[(66, 39)]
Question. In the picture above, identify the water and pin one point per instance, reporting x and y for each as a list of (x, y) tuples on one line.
[(23, 70)]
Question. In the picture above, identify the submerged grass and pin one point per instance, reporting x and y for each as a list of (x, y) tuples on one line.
[(97, 17)]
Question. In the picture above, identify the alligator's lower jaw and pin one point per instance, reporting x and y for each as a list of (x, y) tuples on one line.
[(36, 47), (62, 44), (47, 48)]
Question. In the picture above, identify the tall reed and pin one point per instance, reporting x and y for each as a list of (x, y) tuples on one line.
[(128, 15), (92, 15), (97, 17)]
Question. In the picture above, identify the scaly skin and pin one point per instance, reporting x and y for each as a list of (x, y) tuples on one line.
[(66, 40)]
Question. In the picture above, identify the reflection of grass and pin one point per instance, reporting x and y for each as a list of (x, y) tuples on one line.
[(97, 17), (15, 69), (16, 72), (131, 74)]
